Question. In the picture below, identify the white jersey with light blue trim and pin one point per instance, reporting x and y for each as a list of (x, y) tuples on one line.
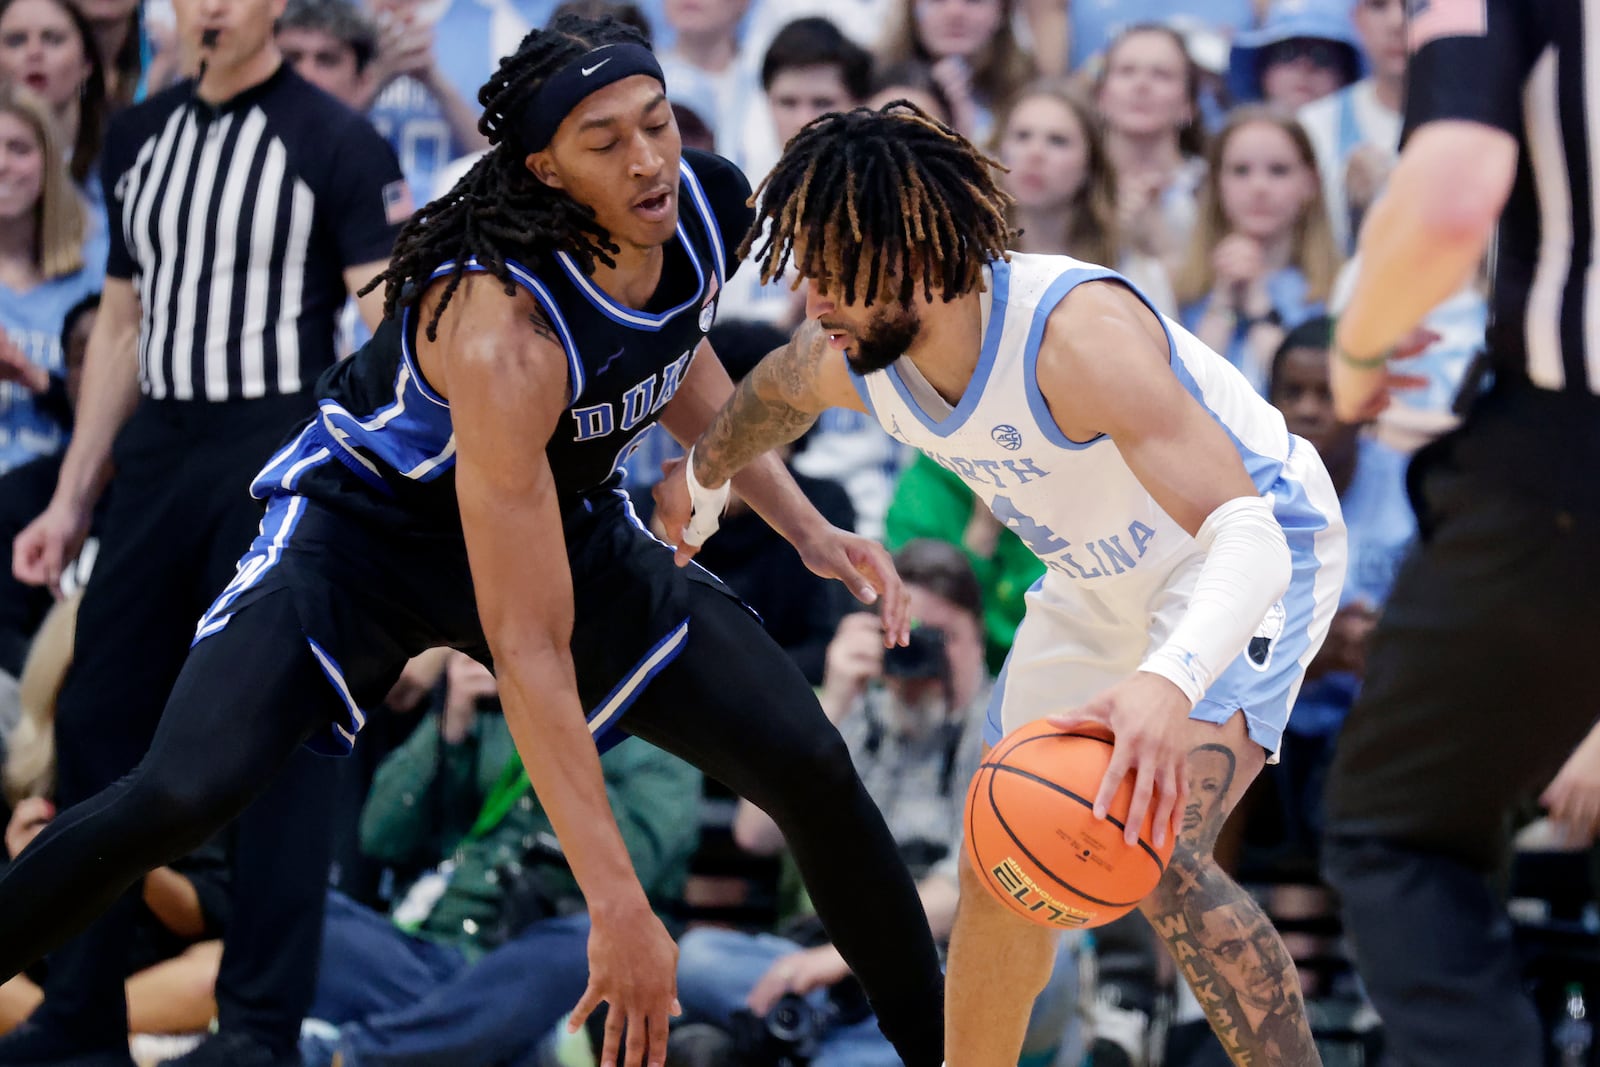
[(1078, 505)]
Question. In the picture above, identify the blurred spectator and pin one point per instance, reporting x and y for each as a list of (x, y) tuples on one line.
[(1065, 188), (702, 65), (487, 950), (42, 274), (912, 719), (1370, 479), (1262, 259), (118, 44), (972, 48), (621, 10), (932, 502), (329, 43), (862, 21), (1148, 95), (692, 129), (24, 491), (1095, 25), (424, 80), (912, 80), (48, 48), (1356, 131), (810, 70), (1304, 51), (172, 970)]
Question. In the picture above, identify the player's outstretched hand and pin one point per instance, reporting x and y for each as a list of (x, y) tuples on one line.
[(1146, 715), (47, 544), (633, 969), (867, 570)]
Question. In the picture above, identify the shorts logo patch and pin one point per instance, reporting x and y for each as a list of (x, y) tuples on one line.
[(1259, 650)]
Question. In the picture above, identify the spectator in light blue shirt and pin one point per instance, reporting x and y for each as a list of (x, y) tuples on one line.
[(1262, 258), (42, 275)]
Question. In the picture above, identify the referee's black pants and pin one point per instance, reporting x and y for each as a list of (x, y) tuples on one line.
[(1483, 676), (177, 520), (731, 703)]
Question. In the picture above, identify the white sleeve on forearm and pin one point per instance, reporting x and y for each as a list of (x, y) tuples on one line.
[(1246, 571)]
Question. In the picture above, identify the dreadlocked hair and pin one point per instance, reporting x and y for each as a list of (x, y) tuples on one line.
[(499, 209), (894, 195)]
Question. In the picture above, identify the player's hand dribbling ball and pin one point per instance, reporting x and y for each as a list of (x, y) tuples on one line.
[(1033, 838)]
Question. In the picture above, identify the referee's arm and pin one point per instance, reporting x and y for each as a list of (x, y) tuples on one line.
[(371, 305), (1426, 235), (368, 203), (110, 391)]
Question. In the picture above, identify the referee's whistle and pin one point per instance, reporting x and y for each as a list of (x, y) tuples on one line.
[(208, 38)]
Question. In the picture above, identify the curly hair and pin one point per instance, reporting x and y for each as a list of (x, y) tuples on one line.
[(892, 192), (499, 208)]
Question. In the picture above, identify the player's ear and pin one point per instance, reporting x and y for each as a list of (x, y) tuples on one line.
[(543, 167)]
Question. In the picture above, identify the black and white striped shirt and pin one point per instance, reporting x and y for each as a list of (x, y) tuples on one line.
[(235, 223), (1532, 69)]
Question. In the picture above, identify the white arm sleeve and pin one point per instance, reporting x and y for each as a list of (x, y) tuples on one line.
[(1246, 571)]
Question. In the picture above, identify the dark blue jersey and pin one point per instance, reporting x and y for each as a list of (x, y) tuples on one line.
[(382, 442)]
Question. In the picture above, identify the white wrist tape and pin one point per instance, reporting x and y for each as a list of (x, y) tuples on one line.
[(707, 506), (1246, 571)]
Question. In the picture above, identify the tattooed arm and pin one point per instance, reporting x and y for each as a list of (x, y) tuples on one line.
[(774, 404)]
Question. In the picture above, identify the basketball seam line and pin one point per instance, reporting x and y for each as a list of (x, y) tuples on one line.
[(1112, 819), (994, 807)]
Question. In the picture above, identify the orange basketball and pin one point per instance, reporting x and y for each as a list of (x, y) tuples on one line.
[(1032, 835)]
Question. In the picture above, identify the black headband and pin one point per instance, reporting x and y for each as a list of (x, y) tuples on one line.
[(562, 91)]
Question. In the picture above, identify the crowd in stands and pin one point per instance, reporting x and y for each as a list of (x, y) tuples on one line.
[(1220, 154)]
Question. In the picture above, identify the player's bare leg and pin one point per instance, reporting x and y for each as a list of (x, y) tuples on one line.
[(999, 963), (1223, 943)]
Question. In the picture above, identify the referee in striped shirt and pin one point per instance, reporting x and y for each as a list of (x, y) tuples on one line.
[(245, 205), (1483, 673)]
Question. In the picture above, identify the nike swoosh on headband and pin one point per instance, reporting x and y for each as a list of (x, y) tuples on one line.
[(590, 70)]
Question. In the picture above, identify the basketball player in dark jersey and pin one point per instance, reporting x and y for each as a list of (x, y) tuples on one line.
[(458, 487)]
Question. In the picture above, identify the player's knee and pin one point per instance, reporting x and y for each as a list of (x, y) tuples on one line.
[(812, 768), (180, 806)]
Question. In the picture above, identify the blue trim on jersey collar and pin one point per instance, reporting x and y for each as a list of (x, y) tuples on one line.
[(1000, 289), (697, 193), (636, 319), (1053, 296)]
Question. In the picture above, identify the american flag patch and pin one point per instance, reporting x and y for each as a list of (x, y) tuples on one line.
[(397, 205), (1429, 20)]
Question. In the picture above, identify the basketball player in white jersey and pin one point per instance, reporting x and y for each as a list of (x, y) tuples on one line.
[(1195, 548)]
